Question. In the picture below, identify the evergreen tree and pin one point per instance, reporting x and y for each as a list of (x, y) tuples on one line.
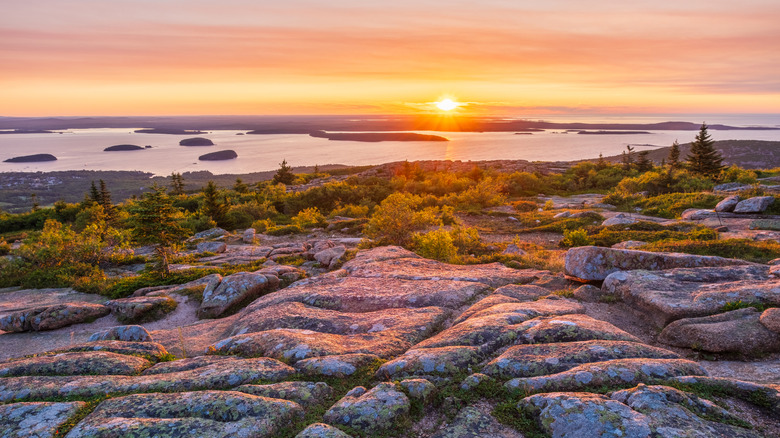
[(240, 187), (674, 155), (35, 205), (703, 158), (284, 174), (213, 207), (601, 164), (105, 201), (155, 223), (643, 163), (94, 194), (177, 184), (628, 158)]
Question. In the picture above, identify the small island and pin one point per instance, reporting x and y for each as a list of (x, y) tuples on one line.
[(613, 132), (219, 155), (373, 137), (196, 141), (171, 131), (123, 147), (37, 158), (28, 131)]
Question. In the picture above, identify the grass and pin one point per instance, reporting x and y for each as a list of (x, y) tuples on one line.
[(651, 232), (743, 249), (736, 305)]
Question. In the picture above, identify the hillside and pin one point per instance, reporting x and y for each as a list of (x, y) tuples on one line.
[(750, 154)]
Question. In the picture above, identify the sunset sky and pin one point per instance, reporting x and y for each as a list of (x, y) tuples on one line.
[(514, 57)]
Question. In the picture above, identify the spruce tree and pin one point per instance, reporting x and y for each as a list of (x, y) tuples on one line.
[(177, 184), (674, 155), (240, 187), (213, 207), (105, 201), (94, 194), (643, 163), (284, 174), (703, 158), (155, 223)]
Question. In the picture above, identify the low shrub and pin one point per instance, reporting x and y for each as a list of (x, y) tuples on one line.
[(578, 237), (744, 249)]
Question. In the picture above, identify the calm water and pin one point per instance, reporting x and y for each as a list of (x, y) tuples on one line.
[(83, 149)]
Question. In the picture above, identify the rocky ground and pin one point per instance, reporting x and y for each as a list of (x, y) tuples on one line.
[(382, 342)]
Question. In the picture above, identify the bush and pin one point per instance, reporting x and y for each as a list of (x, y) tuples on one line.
[(744, 249), (737, 174), (651, 232), (673, 204), (525, 206), (664, 181), (436, 244), (397, 217), (578, 237), (283, 230), (350, 210), (309, 218), (488, 192)]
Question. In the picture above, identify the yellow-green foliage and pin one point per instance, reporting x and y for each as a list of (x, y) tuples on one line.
[(5, 248), (578, 237), (488, 192), (350, 210), (670, 205), (664, 181), (436, 244), (397, 217), (262, 225), (737, 174), (309, 218), (651, 232), (750, 250)]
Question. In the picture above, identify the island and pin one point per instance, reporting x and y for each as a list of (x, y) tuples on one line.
[(613, 132), (373, 137), (37, 158), (219, 155), (123, 147), (28, 131), (196, 141), (171, 131)]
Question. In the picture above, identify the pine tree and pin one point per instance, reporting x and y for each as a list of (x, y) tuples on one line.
[(177, 184), (674, 155), (628, 158), (643, 163), (105, 201), (284, 175), (155, 223), (213, 207), (240, 187), (94, 194), (703, 158)]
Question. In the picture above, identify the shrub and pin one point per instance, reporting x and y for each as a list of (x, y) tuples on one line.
[(467, 240), (436, 244), (396, 218), (525, 206), (578, 237), (737, 174), (309, 218), (283, 230), (750, 250), (350, 210), (651, 232), (673, 204), (488, 192)]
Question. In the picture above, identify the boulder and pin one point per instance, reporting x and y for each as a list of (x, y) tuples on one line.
[(211, 233), (738, 331), (429, 361), (221, 375), (201, 413), (666, 296), (234, 290), (471, 422), (541, 359), (129, 333), (727, 205), (513, 250), (619, 219), (584, 415), (629, 244), (212, 247), (249, 235), (331, 257), (74, 364), (594, 263), (321, 430), (771, 319), (141, 309), (52, 317), (378, 409), (418, 389), (757, 204), (562, 215), (612, 373), (335, 366), (36, 420), (304, 393)]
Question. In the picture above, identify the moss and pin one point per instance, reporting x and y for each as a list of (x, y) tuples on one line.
[(75, 419), (734, 305)]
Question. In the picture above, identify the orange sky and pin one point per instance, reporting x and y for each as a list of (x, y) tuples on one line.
[(154, 57)]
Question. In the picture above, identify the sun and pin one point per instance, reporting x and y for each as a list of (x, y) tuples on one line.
[(447, 104)]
